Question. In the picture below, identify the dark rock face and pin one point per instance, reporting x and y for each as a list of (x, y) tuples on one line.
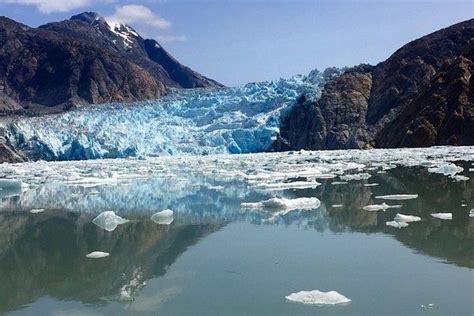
[(83, 60), (442, 113), (420, 96)]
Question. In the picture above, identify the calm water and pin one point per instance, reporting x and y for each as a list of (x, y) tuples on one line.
[(217, 258)]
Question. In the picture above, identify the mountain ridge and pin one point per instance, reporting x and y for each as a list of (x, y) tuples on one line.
[(362, 107), (84, 60)]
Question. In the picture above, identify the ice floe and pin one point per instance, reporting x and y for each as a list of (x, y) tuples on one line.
[(445, 216), (339, 182), (108, 220), (396, 224), (459, 177), (278, 203), (164, 217), (97, 254), (289, 185), (448, 169), (37, 210), (397, 197), (379, 207), (359, 176), (318, 298), (406, 218)]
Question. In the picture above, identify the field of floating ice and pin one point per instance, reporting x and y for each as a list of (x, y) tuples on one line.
[(204, 187), (196, 121)]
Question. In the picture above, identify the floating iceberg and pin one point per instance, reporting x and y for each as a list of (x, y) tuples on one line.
[(108, 220), (318, 298), (370, 184), (164, 217), (277, 203), (289, 185), (406, 218), (397, 197), (378, 207), (448, 169), (459, 177), (97, 254), (445, 216), (358, 176), (37, 210), (396, 224)]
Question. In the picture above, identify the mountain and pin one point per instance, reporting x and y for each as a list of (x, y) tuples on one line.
[(84, 60), (422, 95)]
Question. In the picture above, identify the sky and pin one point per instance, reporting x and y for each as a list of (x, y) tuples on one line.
[(240, 41)]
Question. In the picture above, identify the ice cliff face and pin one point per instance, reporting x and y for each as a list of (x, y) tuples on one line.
[(195, 121)]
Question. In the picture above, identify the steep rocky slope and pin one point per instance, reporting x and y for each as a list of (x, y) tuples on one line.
[(84, 60), (420, 96)]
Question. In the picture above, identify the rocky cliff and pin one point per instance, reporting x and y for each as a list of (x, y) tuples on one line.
[(84, 60), (420, 96)]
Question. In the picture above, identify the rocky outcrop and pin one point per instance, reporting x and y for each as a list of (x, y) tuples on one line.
[(420, 96), (336, 120), (442, 113), (83, 60)]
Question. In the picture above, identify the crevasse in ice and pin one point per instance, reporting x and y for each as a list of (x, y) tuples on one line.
[(197, 121)]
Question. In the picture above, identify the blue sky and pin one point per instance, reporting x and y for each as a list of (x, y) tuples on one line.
[(240, 41)]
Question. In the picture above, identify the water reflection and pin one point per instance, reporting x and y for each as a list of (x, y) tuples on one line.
[(44, 254)]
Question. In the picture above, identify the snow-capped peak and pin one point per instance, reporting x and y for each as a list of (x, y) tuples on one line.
[(124, 31)]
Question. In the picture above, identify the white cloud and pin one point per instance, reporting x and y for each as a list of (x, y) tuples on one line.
[(135, 13), (171, 38), (50, 6)]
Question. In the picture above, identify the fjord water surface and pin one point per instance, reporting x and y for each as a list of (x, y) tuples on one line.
[(218, 258)]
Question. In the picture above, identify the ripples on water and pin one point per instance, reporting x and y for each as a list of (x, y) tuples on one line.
[(219, 258)]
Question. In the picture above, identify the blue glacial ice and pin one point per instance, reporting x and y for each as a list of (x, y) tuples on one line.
[(198, 121)]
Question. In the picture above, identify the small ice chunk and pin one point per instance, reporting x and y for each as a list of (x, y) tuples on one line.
[(318, 298), (448, 169), (406, 218), (339, 182), (378, 207), (164, 217), (370, 184), (285, 204), (356, 177), (396, 224), (290, 185), (459, 177), (397, 197), (336, 205), (37, 210), (471, 213), (429, 306), (108, 220), (445, 216), (97, 254)]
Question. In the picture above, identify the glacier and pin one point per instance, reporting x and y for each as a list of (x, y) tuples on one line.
[(195, 121)]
